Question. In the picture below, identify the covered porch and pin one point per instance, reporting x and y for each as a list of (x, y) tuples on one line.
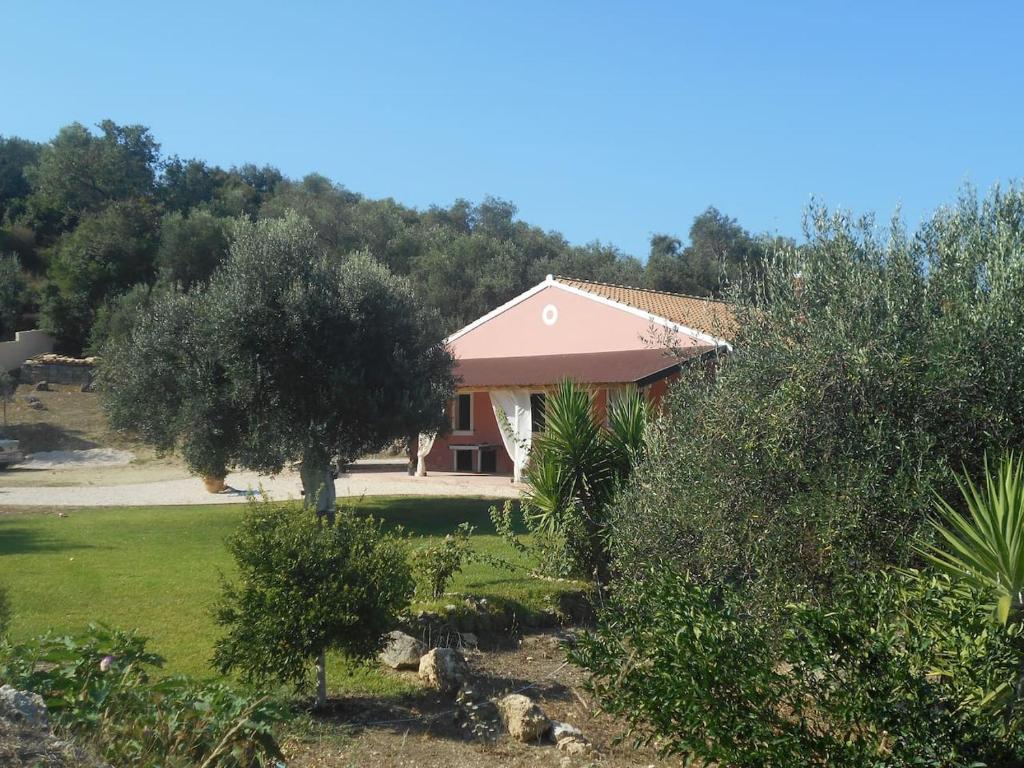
[(500, 402)]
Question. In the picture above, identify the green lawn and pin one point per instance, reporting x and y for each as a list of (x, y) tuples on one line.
[(156, 570)]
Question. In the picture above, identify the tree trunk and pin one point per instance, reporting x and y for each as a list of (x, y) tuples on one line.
[(318, 485), (413, 451), (321, 682)]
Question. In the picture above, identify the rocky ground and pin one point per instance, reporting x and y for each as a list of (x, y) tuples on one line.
[(26, 740), (441, 729)]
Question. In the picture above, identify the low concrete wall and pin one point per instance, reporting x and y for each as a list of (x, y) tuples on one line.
[(26, 344)]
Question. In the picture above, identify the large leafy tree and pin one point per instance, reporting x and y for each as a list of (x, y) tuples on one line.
[(187, 184), (80, 172), (191, 247), (871, 369), (288, 355), (16, 155), (12, 294), (719, 254), (108, 253)]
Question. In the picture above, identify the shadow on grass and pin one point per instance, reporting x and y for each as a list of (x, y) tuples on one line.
[(432, 516), (47, 437), (24, 541)]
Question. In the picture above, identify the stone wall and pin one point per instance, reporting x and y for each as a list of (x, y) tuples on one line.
[(57, 370)]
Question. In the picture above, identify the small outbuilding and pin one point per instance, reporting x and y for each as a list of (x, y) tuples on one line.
[(610, 337)]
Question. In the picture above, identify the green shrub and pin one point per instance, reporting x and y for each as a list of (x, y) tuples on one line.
[(882, 677), (5, 611), (872, 367), (549, 550), (98, 686), (307, 585), (435, 565)]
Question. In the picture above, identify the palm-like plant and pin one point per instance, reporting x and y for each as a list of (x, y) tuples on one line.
[(985, 547), (577, 464)]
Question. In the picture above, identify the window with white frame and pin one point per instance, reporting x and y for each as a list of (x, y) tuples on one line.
[(462, 414)]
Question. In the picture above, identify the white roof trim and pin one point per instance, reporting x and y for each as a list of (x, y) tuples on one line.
[(551, 282)]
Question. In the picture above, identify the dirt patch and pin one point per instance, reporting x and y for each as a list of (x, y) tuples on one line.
[(73, 421), (431, 730), (89, 458)]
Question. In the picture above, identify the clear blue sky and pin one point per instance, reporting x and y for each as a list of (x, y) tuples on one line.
[(606, 121)]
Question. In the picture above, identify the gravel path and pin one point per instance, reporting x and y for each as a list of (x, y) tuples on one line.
[(365, 480)]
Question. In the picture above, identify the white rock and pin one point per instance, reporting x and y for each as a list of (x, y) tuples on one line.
[(402, 651), (561, 731), (523, 719), (444, 669), (25, 706)]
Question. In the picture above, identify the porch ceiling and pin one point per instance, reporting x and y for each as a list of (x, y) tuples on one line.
[(623, 367)]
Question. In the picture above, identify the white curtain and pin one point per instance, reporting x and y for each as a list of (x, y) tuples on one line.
[(512, 412), (426, 442)]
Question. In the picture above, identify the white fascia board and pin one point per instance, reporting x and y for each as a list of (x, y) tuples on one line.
[(656, 319), (548, 281)]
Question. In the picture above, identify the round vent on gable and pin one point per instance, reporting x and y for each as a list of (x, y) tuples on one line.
[(549, 314)]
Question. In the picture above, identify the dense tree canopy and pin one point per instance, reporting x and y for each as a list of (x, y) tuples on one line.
[(12, 294), (287, 355), (92, 214), (720, 254), (872, 368)]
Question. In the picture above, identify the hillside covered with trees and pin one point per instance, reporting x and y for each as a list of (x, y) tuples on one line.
[(93, 223)]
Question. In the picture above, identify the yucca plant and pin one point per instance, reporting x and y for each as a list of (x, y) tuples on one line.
[(984, 551), (577, 464), (985, 547)]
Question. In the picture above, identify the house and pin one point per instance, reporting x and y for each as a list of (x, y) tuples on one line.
[(609, 337)]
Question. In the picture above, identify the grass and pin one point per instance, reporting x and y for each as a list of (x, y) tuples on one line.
[(157, 570)]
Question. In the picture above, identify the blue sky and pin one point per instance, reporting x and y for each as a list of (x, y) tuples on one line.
[(607, 121)]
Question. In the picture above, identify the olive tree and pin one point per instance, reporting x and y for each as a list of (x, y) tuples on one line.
[(288, 355)]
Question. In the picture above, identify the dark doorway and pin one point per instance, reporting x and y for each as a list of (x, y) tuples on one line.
[(489, 460), (463, 461)]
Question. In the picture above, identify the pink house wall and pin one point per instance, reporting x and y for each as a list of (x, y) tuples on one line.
[(485, 430), (580, 325)]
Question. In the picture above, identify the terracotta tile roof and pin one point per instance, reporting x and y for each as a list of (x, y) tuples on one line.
[(707, 315), (628, 366)]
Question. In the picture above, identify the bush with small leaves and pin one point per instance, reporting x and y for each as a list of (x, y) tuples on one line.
[(435, 565), (100, 687), (307, 585), (885, 675)]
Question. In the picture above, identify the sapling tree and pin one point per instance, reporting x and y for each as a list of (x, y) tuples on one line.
[(306, 586), (287, 356)]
